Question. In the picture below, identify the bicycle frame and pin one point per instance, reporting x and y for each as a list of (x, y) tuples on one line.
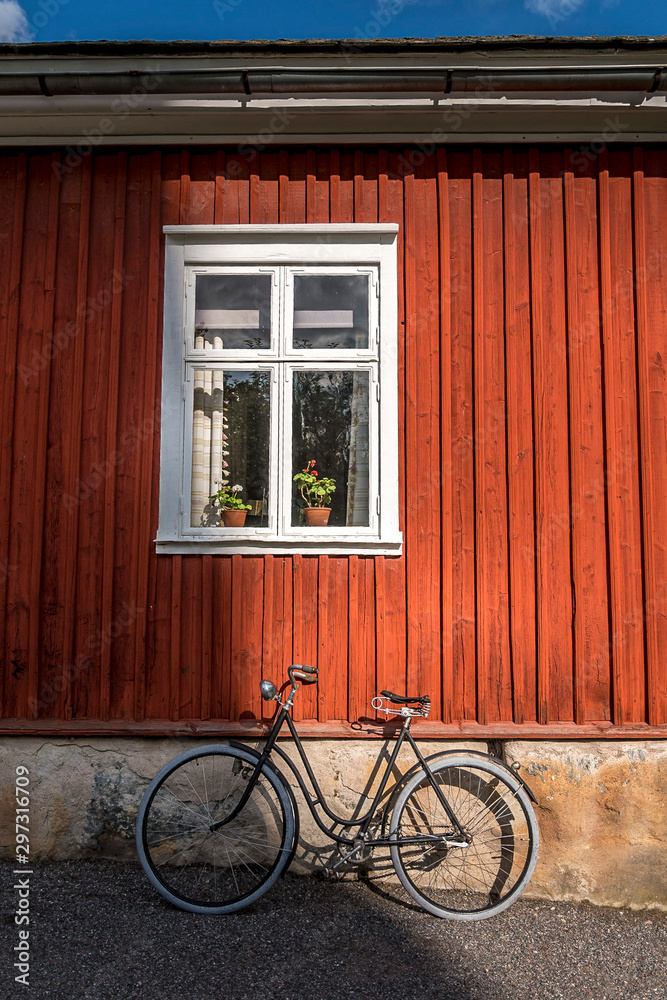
[(362, 822)]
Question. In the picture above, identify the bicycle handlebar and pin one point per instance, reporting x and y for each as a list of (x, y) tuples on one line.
[(302, 672)]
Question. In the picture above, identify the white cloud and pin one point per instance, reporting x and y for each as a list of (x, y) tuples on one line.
[(14, 26), (554, 10)]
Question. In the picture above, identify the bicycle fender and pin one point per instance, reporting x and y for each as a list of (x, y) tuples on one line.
[(487, 756), (441, 755)]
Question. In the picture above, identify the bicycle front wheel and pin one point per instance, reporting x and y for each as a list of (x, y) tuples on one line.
[(222, 870), (473, 877)]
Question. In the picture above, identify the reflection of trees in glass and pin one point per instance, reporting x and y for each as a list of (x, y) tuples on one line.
[(321, 424), (247, 411), (301, 344)]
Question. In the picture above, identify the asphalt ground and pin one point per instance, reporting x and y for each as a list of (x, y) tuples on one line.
[(98, 930)]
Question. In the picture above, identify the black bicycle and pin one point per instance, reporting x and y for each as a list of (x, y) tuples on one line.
[(219, 824)]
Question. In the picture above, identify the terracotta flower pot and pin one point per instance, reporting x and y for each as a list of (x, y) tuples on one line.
[(233, 518), (317, 517)]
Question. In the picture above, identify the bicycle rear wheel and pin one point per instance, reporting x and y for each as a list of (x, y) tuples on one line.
[(478, 878), (214, 871)]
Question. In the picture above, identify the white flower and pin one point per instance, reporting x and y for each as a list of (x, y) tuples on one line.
[(237, 488)]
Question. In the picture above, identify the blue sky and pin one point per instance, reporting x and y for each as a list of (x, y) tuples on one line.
[(55, 20)]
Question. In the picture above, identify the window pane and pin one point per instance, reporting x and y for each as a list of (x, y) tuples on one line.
[(233, 312), (230, 442), (330, 311), (330, 425)]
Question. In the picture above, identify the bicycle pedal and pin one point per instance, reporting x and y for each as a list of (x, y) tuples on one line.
[(331, 875)]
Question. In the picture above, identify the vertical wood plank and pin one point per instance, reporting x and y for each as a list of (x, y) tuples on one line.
[(12, 209), (224, 595), (337, 634), (422, 388), (26, 504), (191, 638), (588, 528), (94, 467), (552, 516), (304, 608), (621, 420), (521, 515), (207, 619), (175, 628), (53, 556), (357, 677), (625, 578), (264, 192), (162, 670), (390, 579), (447, 662), (109, 528), (219, 187), (235, 190), (287, 610), (626, 408), (73, 455), (201, 195), (133, 426), (326, 690), (463, 459), (268, 627), (493, 648), (40, 497), (246, 652), (650, 189)]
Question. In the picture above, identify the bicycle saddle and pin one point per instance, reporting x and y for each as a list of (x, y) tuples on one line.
[(398, 699)]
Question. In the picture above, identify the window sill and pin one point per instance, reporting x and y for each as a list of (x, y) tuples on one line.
[(315, 546)]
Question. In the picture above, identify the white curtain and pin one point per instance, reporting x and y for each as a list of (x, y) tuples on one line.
[(358, 472), (209, 449)]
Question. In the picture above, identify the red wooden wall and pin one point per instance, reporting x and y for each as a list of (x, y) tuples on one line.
[(532, 594)]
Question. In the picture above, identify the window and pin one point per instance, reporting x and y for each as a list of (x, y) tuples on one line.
[(279, 351)]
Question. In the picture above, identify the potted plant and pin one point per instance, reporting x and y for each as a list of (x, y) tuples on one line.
[(315, 493), (232, 509)]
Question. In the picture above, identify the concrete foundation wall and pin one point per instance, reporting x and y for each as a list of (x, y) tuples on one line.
[(601, 805)]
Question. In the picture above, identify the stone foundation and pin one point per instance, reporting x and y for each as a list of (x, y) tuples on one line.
[(601, 805), (603, 820)]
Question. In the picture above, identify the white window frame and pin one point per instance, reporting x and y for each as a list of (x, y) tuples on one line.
[(284, 251)]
